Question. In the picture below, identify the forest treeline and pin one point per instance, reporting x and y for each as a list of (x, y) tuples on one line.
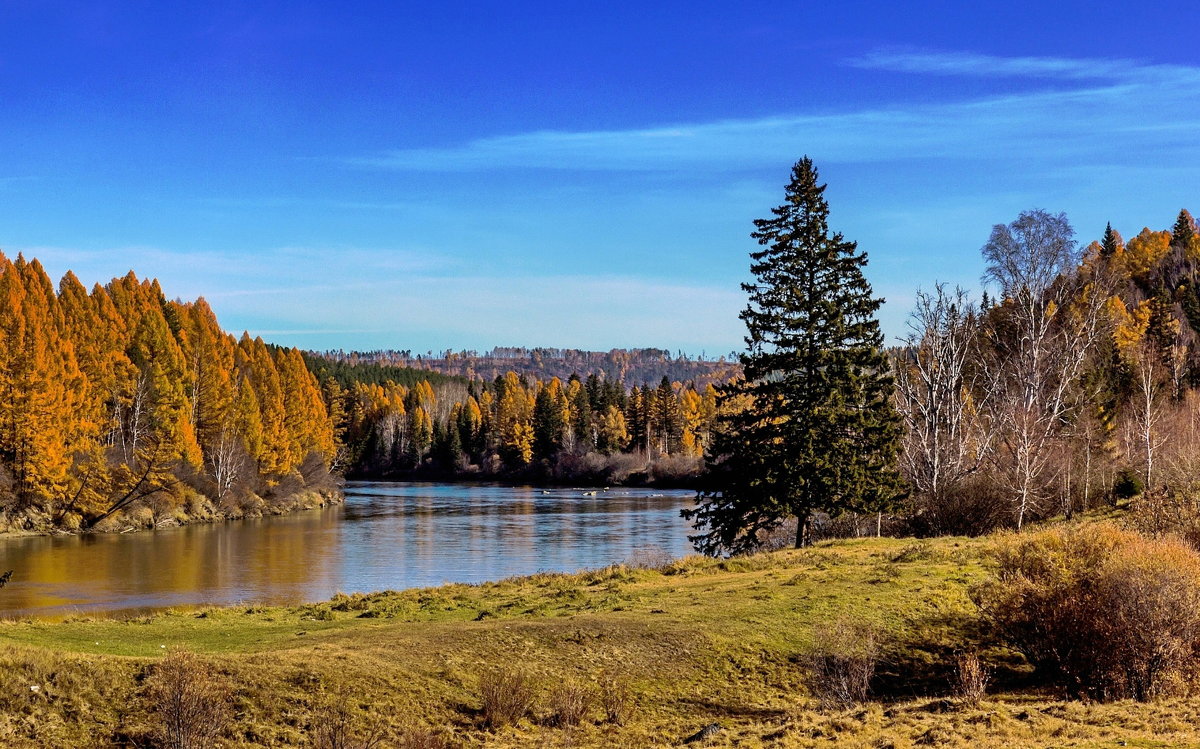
[(120, 408), (1077, 385), (622, 365), (586, 429)]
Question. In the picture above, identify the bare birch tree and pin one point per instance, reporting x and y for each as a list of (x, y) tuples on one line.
[(1150, 384), (228, 460), (935, 386), (1040, 337)]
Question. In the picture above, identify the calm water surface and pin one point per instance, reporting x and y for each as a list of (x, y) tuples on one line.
[(386, 535)]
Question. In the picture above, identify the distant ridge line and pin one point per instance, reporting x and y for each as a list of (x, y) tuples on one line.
[(632, 366)]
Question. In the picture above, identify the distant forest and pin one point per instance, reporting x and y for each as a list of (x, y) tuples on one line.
[(633, 366), (585, 429)]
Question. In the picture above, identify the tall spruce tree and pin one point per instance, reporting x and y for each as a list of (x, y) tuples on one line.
[(1184, 229), (1111, 242), (811, 427)]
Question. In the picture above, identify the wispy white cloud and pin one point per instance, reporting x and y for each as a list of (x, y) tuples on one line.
[(1095, 109), (239, 272), (991, 66)]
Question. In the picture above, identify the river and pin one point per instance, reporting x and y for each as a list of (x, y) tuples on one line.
[(385, 536)]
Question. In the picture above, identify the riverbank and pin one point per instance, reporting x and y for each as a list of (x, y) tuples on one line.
[(534, 480), (695, 642), (590, 470), (149, 516)]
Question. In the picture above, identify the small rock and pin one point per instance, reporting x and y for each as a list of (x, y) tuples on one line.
[(703, 734), (34, 688)]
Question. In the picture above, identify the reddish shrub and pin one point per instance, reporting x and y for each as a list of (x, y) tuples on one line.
[(1103, 612)]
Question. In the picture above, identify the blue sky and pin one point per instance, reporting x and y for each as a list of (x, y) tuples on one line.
[(449, 175)]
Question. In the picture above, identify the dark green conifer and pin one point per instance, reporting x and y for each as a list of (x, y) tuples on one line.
[(1110, 242), (447, 446), (548, 425), (581, 407), (667, 419), (1184, 229), (819, 432)]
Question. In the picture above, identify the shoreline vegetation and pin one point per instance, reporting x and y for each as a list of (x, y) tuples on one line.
[(122, 409), (201, 512)]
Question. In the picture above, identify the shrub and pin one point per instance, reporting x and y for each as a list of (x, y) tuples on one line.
[(507, 696), (648, 558), (616, 701), (975, 507), (1175, 512), (782, 536), (971, 678), (570, 703), (843, 662), (337, 726), (1102, 612), (676, 469), (422, 738), (189, 700)]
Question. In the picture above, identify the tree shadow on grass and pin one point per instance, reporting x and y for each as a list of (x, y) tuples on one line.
[(924, 665)]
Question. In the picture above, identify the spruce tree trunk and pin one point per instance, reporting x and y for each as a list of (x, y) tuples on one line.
[(801, 531)]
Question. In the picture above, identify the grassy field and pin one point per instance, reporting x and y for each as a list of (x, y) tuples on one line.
[(696, 642)]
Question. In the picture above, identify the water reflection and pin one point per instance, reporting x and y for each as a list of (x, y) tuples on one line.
[(385, 536)]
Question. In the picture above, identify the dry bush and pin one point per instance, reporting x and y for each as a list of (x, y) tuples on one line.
[(782, 536), (1103, 612), (975, 507), (824, 527), (843, 662), (971, 678), (337, 726), (570, 702), (507, 697), (673, 469), (616, 701), (189, 700), (1175, 512), (598, 469), (648, 558)]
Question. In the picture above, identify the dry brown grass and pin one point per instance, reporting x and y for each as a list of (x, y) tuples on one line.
[(338, 726), (616, 701), (423, 738), (971, 678)]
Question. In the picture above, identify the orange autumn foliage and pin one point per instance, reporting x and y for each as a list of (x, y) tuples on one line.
[(117, 394)]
